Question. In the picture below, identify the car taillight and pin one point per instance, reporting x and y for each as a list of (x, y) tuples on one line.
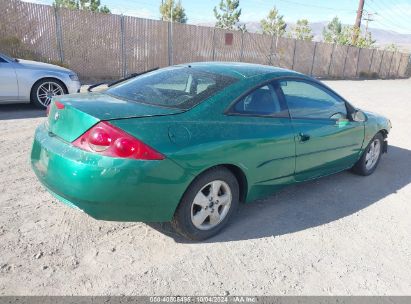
[(108, 140), (59, 105)]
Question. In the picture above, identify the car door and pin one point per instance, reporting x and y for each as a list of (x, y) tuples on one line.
[(261, 120), (8, 82), (326, 140)]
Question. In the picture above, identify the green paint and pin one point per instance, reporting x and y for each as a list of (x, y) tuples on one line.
[(267, 150)]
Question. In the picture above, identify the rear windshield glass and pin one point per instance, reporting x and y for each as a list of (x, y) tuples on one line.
[(177, 87)]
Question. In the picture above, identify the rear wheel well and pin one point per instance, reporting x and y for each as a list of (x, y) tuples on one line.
[(238, 174), (241, 179)]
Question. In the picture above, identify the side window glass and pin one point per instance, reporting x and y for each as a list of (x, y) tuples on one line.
[(307, 100), (262, 101), (2, 60)]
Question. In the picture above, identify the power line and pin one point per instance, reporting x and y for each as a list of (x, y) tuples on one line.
[(318, 6), (388, 15), (396, 15), (388, 22)]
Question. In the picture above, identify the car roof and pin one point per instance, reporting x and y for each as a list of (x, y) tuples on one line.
[(241, 70)]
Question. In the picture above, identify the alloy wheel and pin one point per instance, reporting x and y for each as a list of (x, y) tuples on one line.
[(373, 154), (46, 91), (211, 205)]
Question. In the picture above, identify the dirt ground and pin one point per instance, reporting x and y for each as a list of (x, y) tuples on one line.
[(340, 235)]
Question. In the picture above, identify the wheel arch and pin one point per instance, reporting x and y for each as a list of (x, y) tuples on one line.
[(241, 179), (51, 78), (384, 133), (238, 174)]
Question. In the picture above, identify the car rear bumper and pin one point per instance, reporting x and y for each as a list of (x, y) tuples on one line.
[(104, 187)]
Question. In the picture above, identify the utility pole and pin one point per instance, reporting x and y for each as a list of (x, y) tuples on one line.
[(368, 19), (357, 25)]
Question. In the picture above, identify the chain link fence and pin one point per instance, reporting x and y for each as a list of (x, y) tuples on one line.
[(108, 46)]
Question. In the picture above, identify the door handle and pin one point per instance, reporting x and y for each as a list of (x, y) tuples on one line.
[(304, 137)]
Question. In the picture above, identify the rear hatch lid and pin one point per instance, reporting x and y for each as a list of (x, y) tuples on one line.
[(72, 115)]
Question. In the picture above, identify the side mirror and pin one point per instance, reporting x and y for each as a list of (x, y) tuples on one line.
[(359, 116)]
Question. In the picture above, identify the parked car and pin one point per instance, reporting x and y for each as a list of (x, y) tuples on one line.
[(24, 81), (188, 143)]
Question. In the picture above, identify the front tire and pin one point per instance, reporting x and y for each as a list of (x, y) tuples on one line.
[(370, 158), (207, 205), (44, 89)]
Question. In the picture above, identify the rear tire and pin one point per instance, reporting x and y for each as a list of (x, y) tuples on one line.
[(44, 89), (207, 205), (371, 156)]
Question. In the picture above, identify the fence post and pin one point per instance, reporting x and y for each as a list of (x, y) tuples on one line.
[(389, 69), (170, 43), (270, 56), (372, 58), (382, 58), (345, 61), (213, 44), (59, 34), (312, 62), (358, 61), (295, 46), (123, 47), (242, 46), (399, 65), (331, 60)]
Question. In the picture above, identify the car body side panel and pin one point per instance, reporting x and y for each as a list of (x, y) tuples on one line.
[(332, 146), (374, 124), (9, 90)]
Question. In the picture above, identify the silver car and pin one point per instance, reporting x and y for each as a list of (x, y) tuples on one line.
[(24, 81)]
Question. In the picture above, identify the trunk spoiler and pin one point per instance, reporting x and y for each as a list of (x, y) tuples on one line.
[(109, 84)]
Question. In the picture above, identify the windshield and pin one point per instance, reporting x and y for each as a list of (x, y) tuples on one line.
[(176, 87)]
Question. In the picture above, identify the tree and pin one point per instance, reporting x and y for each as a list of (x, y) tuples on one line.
[(335, 32), (87, 5), (274, 24), (362, 41), (70, 4), (302, 30), (332, 32), (242, 27), (392, 47), (172, 11), (228, 14)]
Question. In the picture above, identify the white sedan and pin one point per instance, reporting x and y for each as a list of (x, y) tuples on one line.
[(24, 81)]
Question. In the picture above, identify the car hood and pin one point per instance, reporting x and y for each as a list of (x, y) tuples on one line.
[(376, 116), (42, 66)]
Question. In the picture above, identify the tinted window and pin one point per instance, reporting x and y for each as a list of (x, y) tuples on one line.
[(2, 60), (262, 101), (176, 87), (308, 100)]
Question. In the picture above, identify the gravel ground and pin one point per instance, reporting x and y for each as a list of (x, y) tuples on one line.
[(339, 235)]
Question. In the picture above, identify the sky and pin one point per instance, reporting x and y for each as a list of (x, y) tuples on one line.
[(394, 15)]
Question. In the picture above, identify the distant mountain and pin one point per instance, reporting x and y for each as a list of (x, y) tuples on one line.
[(383, 37)]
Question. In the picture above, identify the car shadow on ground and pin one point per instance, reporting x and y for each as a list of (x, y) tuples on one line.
[(314, 203), (20, 111)]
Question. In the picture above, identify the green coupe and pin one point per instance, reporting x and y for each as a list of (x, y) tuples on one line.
[(188, 143)]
